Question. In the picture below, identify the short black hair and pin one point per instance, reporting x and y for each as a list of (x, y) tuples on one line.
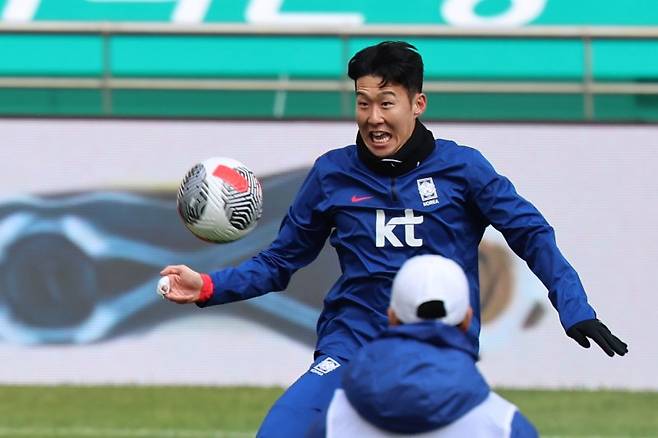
[(395, 62)]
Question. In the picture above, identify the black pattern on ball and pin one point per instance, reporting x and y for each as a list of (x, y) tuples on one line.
[(193, 195), (243, 208)]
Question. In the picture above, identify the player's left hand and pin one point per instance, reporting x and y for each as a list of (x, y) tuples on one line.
[(595, 329)]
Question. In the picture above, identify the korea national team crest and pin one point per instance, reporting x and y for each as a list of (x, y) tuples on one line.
[(427, 191), (324, 367)]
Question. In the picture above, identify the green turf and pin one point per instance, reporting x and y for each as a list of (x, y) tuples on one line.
[(116, 411), (589, 413)]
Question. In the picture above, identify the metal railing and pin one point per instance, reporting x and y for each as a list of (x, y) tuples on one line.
[(588, 87)]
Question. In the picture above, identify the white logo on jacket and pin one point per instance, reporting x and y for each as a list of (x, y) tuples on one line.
[(427, 191), (324, 367), (384, 230)]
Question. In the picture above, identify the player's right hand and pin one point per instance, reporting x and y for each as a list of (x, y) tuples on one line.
[(184, 284)]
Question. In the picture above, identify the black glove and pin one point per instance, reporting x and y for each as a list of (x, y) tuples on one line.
[(595, 329)]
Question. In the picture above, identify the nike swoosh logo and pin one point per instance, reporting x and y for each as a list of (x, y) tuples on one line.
[(360, 198)]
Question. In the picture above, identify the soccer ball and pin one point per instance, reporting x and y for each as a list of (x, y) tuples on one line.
[(220, 200)]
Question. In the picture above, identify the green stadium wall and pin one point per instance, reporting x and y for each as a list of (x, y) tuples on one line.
[(275, 57)]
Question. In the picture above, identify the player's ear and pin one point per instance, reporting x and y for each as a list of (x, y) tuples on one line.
[(466, 323), (419, 104), (392, 318)]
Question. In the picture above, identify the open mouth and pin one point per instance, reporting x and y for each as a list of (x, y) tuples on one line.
[(379, 137)]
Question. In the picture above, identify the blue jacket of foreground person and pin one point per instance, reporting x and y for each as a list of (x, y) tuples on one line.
[(419, 376), (420, 379)]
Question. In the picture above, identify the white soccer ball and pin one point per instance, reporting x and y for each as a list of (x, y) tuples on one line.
[(220, 200)]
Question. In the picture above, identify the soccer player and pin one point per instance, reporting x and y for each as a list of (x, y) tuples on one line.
[(394, 194), (419, 377)]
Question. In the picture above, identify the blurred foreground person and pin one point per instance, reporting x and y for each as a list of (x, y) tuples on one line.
[(419, 377)]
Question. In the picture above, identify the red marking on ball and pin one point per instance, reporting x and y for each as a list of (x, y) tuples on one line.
[(232, 177)]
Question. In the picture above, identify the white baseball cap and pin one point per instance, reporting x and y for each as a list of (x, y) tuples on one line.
[(430, 278)]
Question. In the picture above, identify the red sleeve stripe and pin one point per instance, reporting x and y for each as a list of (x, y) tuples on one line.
[(206, 289)]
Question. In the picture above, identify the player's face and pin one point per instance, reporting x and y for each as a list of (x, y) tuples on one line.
[(386, 115)]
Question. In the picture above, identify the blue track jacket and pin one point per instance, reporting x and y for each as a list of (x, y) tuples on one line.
[(376, 222), (420, 379), (415, 378)]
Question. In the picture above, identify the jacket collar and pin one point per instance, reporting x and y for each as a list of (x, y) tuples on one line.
[(419, 146), (435, 333)]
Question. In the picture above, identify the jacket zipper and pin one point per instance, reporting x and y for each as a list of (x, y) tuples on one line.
[(394, 193)]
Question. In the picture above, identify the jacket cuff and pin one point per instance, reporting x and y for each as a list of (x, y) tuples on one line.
[(206, 290)]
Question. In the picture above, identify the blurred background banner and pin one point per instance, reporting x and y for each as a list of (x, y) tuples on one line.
[(532, 60), (88, 218), (447, 12)]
